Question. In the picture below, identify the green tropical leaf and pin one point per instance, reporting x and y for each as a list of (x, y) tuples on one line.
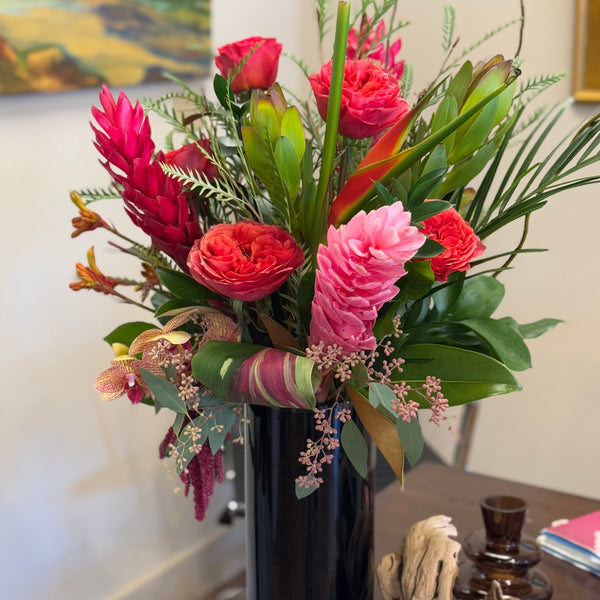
[(465, 375), (126, 333), (505, 342), (354, 446), (479, 297), (537, 328), (238, 373), (183, 286)]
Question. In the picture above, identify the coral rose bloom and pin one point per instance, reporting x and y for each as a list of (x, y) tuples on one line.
[(371, 99), (457, 236), (244, 261), (260, 69)]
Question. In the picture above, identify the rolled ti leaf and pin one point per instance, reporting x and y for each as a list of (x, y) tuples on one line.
[(246, 373)]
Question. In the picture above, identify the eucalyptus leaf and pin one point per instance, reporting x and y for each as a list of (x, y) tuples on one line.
[(220, 421), (303, 492), (411, 436), (354, 446), (166, 395)]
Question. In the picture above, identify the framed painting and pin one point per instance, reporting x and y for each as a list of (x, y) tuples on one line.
[(586, 66), (53, 45)]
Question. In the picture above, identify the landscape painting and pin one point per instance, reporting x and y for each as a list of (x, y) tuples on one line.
[(56, 45)]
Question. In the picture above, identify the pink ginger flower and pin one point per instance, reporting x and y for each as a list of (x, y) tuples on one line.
[(356, 275), (372, 47), (155, 202)]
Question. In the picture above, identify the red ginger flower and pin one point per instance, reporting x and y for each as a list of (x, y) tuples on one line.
[(372, 46), (154, 201)]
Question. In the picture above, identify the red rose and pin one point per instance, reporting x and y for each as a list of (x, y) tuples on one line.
[(371, 99), (191, 158), (456, 235), (260, 69), (244, 261)]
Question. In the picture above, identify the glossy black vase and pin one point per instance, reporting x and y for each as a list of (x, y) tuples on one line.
[(316, 548)]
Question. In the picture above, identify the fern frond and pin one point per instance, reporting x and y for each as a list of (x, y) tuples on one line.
[(448, 27), (406, 82), (90, 195)]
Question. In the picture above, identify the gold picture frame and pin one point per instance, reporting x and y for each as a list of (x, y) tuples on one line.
[(586, 63)]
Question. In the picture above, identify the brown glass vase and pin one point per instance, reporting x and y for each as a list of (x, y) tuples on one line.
[(500, 552)]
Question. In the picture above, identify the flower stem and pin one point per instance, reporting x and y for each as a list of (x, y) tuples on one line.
[(333, 116)]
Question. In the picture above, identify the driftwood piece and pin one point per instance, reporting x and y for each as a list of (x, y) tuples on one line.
[(425, 565)]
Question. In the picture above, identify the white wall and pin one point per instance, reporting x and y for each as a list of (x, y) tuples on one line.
[(86, 509)]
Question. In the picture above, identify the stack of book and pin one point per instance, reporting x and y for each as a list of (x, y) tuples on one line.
[(576, 540)]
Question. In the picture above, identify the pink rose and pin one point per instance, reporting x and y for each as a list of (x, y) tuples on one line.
[(371, 99), (244, 261), (260, 69), (191, 158), (456, 235)]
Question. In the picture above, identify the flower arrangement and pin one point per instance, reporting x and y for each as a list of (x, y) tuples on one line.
[(324, 253)]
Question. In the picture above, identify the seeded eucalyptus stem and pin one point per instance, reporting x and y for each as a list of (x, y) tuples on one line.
[(333, 114)]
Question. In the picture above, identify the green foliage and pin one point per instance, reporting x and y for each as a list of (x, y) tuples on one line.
[(411, 436), (127, 332), (354, 446)]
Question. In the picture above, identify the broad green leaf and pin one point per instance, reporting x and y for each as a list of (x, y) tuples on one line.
[(287, 165), (417, 281), (505, 342), (183, 286), (223, 91), (428, 209), (460, 83), (354, 446), (263, 119), (466, 171), (411, 436), (126, 333), (474, 134), (291, 128), (445, 113), (169, 305), (446, 295), (465, 375), (429, 249), (419, 192), (166, 395), (537, 328), (479, 297)]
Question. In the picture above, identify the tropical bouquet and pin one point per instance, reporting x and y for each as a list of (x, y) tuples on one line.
[(325, 253)]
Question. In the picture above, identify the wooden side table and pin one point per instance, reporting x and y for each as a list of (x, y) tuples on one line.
[(433, 489)]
